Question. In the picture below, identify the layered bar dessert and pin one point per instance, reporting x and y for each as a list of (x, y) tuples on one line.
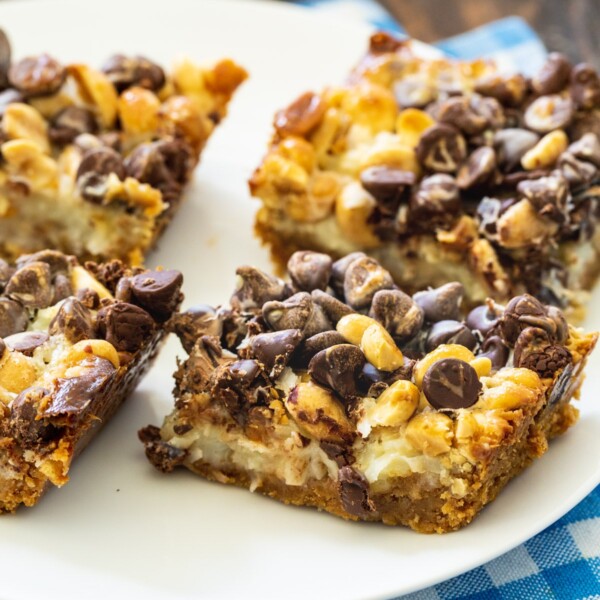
[(95, 161), (340, 391), (74, 342), (443, 170)]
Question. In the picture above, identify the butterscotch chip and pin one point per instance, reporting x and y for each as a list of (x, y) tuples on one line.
[(418, 416)]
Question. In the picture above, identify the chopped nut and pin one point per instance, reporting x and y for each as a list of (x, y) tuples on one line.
[(395, 405), (138, 111), (135, 194), (82, 280), (380, 349), (372, 106), (96, 89), (22, 122), (85, 348), (430, 432), (522, 226), (353, 326), (546, 152), (482, 366), (353, 208), (17, 372), (178, 116), (317, 413), (299, 151), (302, 116), (509, 395), (26, 160), (411, 124)]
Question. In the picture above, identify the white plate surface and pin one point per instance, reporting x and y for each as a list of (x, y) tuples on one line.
[(120, 529)]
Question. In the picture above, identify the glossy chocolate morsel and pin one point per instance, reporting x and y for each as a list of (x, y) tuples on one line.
[(354, 492), (451, 384), (157, 292), (450, 332), (127, 71), (37, 75), (338, 368), (274, 349), (309, 270), (124, 325), (26, 342), (441, 303), (74, 320)]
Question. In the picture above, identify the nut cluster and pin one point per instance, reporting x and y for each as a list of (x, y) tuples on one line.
[(440, 145), (361, 350)]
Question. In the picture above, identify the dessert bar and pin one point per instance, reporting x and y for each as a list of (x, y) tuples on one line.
[(95, 161), (338, 390), (444, 170), (74, 342)]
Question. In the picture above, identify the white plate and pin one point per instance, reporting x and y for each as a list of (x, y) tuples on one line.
[(120, 529)]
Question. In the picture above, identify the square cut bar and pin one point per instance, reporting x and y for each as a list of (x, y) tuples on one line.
[(74, 342), (444, 170), (95, 162), (338, 390)]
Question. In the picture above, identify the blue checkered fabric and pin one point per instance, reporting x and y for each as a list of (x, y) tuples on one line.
[(562, 562)]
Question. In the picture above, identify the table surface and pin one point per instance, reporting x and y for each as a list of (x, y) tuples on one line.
[(569, 26)]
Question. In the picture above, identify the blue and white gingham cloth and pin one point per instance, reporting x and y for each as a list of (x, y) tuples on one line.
[(562, 562)]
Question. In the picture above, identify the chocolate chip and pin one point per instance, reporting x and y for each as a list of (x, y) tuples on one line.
[(478, 168), (560, 332), (548, 113), (458, 111), (157, 292), (162, 455), (534, 350), (548, 195), (450, 332), (5, 59), (126, 326), (96, 164), (309, 270), (387, 185), (338, 271), (451, 384), (13, 317), (315, 344), (521, 312), (376, 381), (195, 322), (302, 116), (577, 172), (89, 298), (70, 122), (363, 279), (73, 320), (165, 165), (441, 148), (587, 148), (334, 309), (74, 395), (397, 312), (57, 261), (31, 285), (254, 288), (496, 350), (62, 288), (441, 303), (511, 145), (274, 349), (24, 424), (37, 75), (553, 76), (126, 71), (585, 86), (436, 200), (509, 91), (354, 493), (338, 368), (2, 344), (293, 313), (26, 342), (484, 318)]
